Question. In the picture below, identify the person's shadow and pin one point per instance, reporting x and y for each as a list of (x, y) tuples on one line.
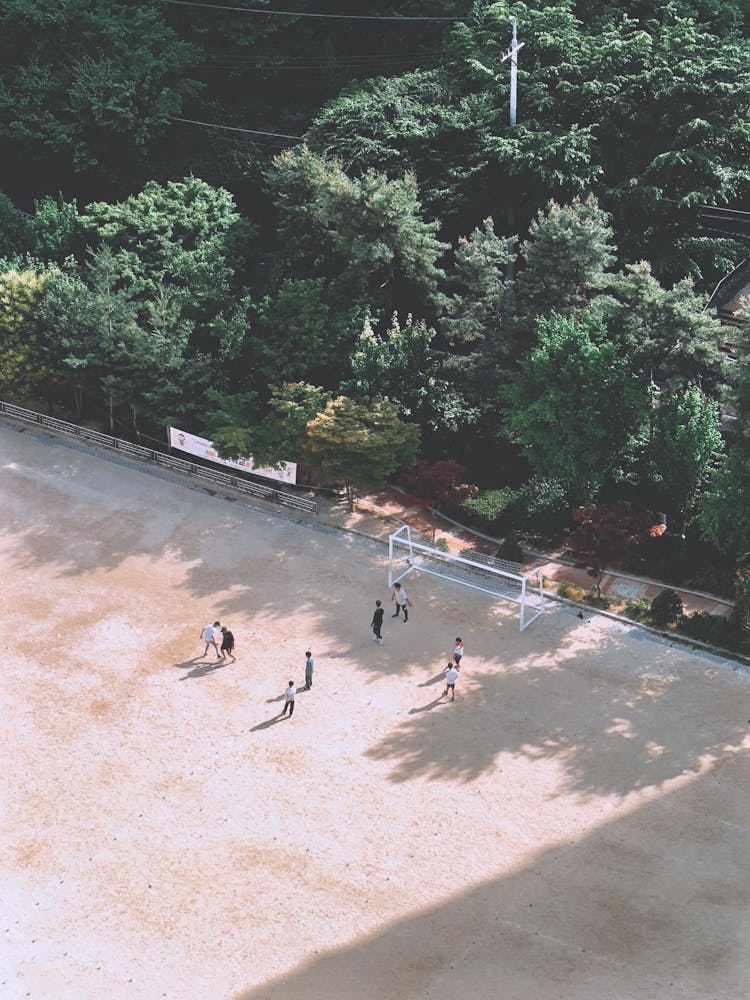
[(269, 722), (203, 669), (426, 708), (433, 680)]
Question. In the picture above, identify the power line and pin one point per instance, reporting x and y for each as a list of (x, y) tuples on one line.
[(294, 13), (230, 128)]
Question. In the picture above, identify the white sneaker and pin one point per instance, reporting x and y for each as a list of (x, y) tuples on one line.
[(380, 641)]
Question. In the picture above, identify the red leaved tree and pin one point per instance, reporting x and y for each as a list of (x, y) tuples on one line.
[(602, 536), (438, 483)]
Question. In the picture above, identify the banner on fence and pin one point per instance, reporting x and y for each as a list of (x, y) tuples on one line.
[(203, 448)]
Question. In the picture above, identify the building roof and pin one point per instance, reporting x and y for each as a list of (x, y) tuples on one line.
[(731, 289)]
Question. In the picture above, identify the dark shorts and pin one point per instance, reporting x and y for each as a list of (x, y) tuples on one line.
[(450, 687)]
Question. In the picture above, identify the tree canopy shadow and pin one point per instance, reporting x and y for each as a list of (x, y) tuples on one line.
[(612, 730)]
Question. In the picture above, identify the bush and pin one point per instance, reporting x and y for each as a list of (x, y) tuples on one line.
[(541, 506), (510, 550), (489, 511), (666, 608), (714, 629), (441, 543), (638, 610), (569, 591), (595, 600)]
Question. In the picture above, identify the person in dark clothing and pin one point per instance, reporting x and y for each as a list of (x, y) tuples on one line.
[(227, 644), (377, 622)]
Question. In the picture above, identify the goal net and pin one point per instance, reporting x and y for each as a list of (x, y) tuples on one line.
[(506, 580)]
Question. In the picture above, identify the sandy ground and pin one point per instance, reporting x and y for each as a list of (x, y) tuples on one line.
[(574, 826)]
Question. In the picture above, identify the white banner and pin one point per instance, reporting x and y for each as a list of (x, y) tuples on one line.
[(203, 448)]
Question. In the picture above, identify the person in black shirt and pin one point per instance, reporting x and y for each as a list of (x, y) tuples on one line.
[(227, 644), (377, 622)]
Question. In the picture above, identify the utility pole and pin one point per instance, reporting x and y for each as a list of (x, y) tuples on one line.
[(512, 54)]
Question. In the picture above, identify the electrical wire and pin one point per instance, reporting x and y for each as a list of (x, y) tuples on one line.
[(231, 128), (293, 13)]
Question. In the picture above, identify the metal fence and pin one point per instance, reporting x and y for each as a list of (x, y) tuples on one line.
[(206, 475)]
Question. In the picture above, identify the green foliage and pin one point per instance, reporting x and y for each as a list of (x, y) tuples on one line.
[(359, 444), (53, 229), (89, 85), (638, 610), (401, 365), (541, 506), (716, 630), (237, 429), (666, 608), (299, 334), (489, 510), (510, 549), (685, 445), (575, 408), (13, 229), (663, 332), (20, 364), (566, 253), (724, 514), (365, 235), (397, 125), (479, 315), (570, 591)]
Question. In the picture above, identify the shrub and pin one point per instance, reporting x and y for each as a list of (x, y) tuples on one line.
[(598, 600), (638, 610), (714, 629), (490, 509), (441, 543), (541, 506), (666, 608), (510, 550), (569, 590)]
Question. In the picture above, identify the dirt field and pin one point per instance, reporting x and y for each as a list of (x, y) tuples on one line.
[(573, 827)]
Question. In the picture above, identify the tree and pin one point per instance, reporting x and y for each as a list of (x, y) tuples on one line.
[(602, 535), (685, 445), (365, 235), (575, 408), (20, 292), (401, 365), (238, 430), (359, 443), (479, 315), (663, 332), (566, 256), (724, 511), (88, 87), (419, 122), (438, 483), (299, 334), (170, 252), (13, 229), (52, 230)]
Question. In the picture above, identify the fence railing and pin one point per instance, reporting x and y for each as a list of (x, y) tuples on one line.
[(257, 490)]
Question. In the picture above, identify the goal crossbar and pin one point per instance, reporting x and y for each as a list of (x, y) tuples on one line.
[(499, 578)]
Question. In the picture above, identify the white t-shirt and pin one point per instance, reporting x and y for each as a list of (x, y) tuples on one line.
[(208, 633), (452, 676), (401, 596), (290, 693)]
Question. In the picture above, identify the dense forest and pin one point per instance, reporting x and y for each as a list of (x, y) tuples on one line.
[(317, 236)]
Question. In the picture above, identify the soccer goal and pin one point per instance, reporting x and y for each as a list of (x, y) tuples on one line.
[(506, 580)]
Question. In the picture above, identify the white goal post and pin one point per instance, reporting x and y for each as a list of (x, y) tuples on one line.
[(506, 580)]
